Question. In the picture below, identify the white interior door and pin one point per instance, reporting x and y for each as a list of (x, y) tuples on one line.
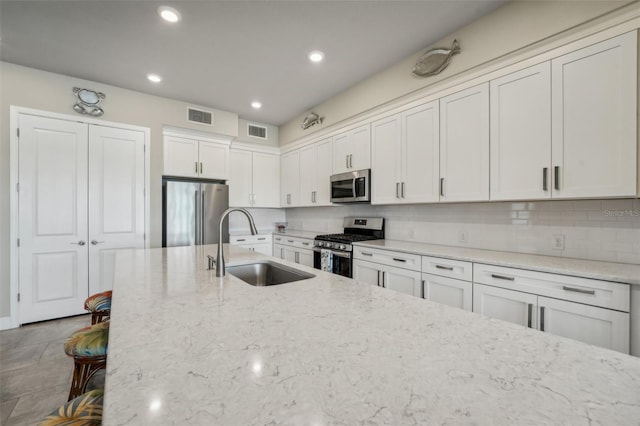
[(116, 199), (53, 218)]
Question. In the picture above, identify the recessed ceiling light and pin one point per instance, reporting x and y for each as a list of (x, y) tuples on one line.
[(256, 105), (316, 56), (169, 14), (154, 78)]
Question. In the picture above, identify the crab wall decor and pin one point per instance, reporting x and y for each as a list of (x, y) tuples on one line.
[(87, 102), (311, 120)]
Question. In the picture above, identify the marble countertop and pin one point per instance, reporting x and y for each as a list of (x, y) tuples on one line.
[(298, 233), (609, 271), (187, 348)]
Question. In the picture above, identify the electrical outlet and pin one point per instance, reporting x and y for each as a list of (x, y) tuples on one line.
[(558, 242), (463, 237)]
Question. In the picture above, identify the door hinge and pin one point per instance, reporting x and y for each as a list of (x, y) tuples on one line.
[(18, 242), (18, 297)]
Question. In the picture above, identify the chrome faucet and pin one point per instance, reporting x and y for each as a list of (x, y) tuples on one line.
[(220, 255)]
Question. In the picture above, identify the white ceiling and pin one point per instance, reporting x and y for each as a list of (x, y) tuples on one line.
[(225, 54)]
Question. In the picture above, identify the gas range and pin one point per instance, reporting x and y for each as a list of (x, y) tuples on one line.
[(333, 252)]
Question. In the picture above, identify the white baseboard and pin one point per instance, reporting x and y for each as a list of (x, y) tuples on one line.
[(7, 323)]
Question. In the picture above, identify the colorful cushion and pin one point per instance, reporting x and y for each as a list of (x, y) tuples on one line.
[(89, 341), (100, 302), (85, 410)]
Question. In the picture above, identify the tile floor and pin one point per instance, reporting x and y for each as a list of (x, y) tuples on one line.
[(35, 373)]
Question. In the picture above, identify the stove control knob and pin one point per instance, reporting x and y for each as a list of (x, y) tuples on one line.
[(319, 243), (343, 247)]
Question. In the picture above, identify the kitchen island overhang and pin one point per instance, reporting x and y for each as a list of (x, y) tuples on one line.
[(189, 348)]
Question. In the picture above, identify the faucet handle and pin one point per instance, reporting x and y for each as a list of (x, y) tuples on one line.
[(211, 263)]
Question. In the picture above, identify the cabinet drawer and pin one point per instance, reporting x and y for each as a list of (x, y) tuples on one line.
[(581, 290), (387, 257), (249, 239), (447, 268), (304, 243)]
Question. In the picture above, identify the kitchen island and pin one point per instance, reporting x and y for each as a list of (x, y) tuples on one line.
[(186, 347)]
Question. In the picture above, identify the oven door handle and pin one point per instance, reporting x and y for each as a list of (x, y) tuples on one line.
[(345, 255)]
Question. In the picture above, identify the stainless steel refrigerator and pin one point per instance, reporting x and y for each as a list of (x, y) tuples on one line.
[(190, 212)]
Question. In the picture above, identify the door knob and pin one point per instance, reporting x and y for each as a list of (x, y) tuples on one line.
[(80, 243), (94, 242)]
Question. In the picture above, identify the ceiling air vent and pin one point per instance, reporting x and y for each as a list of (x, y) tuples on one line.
[(257, 131), (199, 116)]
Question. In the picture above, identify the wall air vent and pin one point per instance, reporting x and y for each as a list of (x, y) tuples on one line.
[(256, 131), (199, 116)]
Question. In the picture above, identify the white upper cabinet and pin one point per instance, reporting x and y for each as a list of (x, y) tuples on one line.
[(315, 170), (594, 96), (290, 179), (405, 156), (266, 180), (352, 150), (195, 158), (254, 179), (464, 145), (521, 134)]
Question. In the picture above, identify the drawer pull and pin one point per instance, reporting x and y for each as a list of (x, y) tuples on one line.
[(290, 241), (399, 260), (241, 239), (446, 268), (364, 253), (262, 239), (578, 290), (502, 277), (305, 244)]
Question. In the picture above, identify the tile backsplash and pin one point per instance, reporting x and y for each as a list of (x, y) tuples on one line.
[(607, 230)]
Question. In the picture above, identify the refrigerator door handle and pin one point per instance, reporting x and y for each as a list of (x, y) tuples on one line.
[(197, 218), (202, 227)]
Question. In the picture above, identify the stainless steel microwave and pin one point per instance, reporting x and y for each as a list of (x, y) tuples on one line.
[(351, 187)]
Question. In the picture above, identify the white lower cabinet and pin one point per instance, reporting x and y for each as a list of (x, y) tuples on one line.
[(293, 249), (583, 314), (398, 279), (259, 243), (447, 281)]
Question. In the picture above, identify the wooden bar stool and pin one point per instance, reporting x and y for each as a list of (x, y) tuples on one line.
[(88, 348), (99, 305), (85, 410)]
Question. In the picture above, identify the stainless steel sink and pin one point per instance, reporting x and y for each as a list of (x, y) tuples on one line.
[(266, 273)]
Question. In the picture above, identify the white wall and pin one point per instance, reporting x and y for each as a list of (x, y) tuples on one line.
[(31, 88), (607, 230), (514, 26)]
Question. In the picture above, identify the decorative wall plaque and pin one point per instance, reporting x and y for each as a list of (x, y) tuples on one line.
[(87, 102)]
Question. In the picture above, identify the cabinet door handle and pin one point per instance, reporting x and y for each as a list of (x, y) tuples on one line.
[(397, 189), (556, 178), (94, 242), (502, 277), (399, 260), (378, 282), (297, 257), (346, 160), (350, 160), (541, 318), (384, 285), (442, 187), (262, 239), (545, 173), (200, 167), (447, 268), (422, 284), (79, 243), (529, 314), (196, 163), (402, 189), (241, 239), (281, 252), (288, 198), (578, 290), (364, 253)]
